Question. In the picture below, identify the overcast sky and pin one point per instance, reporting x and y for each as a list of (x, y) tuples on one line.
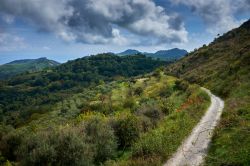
[(68, 29)]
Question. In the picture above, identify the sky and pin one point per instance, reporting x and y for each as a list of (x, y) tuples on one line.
[(63, 30)]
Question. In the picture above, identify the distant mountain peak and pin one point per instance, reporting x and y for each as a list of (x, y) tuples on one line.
[(129, 52), (167, 55), (42, 58)]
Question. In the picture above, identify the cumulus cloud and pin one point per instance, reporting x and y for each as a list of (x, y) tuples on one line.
[(99, 21), (217, 14), (7, 18), (10, 42), (46, 48)]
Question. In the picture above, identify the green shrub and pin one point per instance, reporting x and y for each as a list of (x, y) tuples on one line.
[(129, 103), (101, 136), (63, 147), (36, 150), (181, 85), (138, 91), (166, 91), (9, 144), (152, 112), (127, 130), (71, 149)]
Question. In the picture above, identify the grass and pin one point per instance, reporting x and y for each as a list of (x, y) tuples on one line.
[(231, 142)]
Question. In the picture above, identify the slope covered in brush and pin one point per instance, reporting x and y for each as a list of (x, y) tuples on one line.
[(224, 67)]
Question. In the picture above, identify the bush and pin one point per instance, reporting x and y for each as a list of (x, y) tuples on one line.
[(152, 112), (36, 151), (64, 147), (72, 149), (102, 137), (181, 85), (129, 103), (157, 73), (9, 145), (166, 91), (138, 91), (127, 130)]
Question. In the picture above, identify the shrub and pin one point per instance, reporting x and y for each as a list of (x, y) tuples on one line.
[(9, 144), (138, 91), (157, 73), (153, 112), (71, 149), (129, 103), (64, 147), (181, 85), (36, 151), (101, 136), (166, 91), (127, 129), (166, 106)]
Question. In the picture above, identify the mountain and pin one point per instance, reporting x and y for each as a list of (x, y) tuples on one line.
[(166, 55), (169, 55), (224, 67), (128, 52), (26, 65)]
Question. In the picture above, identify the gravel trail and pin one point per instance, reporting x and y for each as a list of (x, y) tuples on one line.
[(194, 148)]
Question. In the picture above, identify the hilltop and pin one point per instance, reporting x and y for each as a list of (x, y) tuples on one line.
[(26, 65)]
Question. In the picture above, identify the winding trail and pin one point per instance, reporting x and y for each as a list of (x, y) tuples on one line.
[(194, 148)]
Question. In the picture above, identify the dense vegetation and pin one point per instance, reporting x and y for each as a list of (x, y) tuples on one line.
[(112, 124), (21, 66), (30, 93), (224, 67)]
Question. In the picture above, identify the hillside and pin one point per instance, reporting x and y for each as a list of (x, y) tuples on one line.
[(223, 66), (166, 55), (27, 65), (29, 93), (125, 122)]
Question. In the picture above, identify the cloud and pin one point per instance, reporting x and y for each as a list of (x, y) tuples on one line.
[(10, 42), (46, 48), (7, 18), (217, 14), (99, 21)]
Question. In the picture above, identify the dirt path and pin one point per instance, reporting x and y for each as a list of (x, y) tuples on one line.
[(194, 148)]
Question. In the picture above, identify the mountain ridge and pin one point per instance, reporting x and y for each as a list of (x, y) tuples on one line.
[(25, 65), (166, 55), (31, 60)]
